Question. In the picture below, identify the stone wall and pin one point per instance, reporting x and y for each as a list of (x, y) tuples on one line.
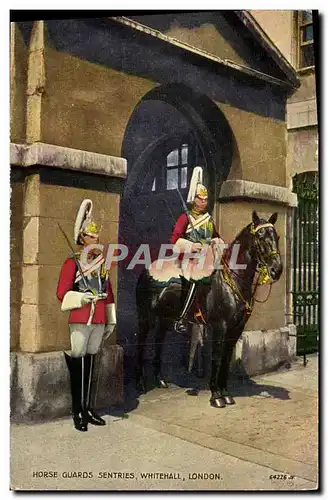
[(260, 147), (16, 256), (302, 124), (74, 113), (52, 196), (40, 386), (18, 82), (278, 24), (205, 34), (302, 119), (261, 351), (233, 217), (41, 309), (87, 106)]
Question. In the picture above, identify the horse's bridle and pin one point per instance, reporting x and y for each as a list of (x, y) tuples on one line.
[(262, 267)]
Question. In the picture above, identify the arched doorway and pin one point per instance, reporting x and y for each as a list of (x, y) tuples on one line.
[(172, 130)]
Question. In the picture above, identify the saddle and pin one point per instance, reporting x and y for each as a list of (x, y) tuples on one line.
[(198, 268)]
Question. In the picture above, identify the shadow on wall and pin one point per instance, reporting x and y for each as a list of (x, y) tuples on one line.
[(236, 168), (235, 34)]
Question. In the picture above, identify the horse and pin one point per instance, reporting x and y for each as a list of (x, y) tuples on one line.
[(227, 303)]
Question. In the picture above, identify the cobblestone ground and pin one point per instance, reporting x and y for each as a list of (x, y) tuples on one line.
[(174, 440), (270, 414)]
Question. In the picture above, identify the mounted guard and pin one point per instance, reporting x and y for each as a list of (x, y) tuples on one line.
[(228, 304), (193, 230), (84, 289)]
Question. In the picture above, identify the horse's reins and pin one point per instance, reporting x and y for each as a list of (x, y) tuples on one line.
[(263, 276)]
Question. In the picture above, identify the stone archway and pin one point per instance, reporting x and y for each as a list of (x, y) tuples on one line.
[(209, 125), (172, 123)]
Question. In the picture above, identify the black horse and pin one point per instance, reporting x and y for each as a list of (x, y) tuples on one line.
[(226, 303)]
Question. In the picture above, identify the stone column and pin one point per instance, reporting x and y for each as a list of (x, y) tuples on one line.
[(57, 179), (36, 82), (266, 341), (18, 81), (29, 325)]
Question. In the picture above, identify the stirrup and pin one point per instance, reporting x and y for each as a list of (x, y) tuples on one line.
[(179, 326), (200, 320)]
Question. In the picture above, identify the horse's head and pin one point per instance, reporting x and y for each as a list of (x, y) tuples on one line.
[(265, 245)]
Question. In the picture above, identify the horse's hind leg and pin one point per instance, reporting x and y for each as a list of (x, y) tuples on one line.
[(217, 400), (159, 342), (141, 342)]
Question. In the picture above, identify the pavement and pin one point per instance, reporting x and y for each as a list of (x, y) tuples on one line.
[(172, 439)]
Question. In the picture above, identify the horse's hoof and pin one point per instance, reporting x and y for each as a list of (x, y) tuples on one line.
[(229, 400), (140, 388), (162, 384), (218, 402), (141, 385)]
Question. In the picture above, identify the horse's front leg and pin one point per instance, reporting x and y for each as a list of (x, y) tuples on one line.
[(217, 400), (224, 371), (159, 342)]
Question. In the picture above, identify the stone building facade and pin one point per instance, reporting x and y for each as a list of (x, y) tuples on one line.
[(104, 109), (296, 34), (292, 32)]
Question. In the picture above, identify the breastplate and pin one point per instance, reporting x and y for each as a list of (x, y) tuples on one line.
[(201, 233), (95, 281)]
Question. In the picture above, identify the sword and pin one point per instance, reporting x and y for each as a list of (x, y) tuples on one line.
[(185, 208), (99, 356), (168, 207), (75, 258)]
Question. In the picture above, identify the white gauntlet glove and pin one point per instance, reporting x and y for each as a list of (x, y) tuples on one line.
[(111, 321), (76, 300), (108, 331), (87, 297)]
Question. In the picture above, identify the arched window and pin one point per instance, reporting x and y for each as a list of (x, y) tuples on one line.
[(176, 165)]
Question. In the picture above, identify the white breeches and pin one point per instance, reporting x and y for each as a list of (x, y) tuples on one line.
[(85, 339)]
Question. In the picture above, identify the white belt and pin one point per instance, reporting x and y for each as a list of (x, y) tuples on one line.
[(100, 296)]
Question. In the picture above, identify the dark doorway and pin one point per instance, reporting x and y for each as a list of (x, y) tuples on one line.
[(166, 137)]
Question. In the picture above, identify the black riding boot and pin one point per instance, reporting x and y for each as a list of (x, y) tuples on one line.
[(75, 370), (92, 416), (187, 298)]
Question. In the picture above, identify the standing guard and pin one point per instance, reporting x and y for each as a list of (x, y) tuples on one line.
[(192, 230), (84, 289)]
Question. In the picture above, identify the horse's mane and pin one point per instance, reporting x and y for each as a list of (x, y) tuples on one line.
[(239, 235), (260, 221)]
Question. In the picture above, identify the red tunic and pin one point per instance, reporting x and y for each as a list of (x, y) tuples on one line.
[(180, 228), (66, 283)]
